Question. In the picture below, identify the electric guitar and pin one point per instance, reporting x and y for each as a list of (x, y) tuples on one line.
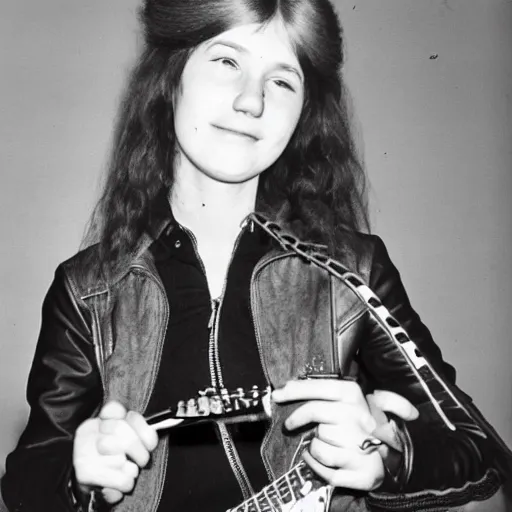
[(299, 489)]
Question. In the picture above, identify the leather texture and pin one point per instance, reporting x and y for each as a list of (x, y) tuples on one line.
[(97, 338)]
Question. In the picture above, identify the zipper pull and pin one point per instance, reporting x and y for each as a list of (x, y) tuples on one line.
[(215, 306)]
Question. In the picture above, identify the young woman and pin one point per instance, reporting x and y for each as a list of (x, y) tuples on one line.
[(229, 255)]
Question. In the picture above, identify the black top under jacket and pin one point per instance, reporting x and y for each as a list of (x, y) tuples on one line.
[(199, 476)]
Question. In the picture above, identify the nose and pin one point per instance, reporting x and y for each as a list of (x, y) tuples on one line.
[(250, 99)]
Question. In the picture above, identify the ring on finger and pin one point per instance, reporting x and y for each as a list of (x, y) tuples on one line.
[(369, 443)]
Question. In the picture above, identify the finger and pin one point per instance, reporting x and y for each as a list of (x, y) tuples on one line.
[(112, 496), (121, 438), (110, 426), (146, 434), (393, 402), (113, 411), (388, 434), (110, 445), (116, 461), (331, 413), (330, 456), (132, 444), (131, 469), (349, 436), (86, 473), (352, 479), (378, 414), (319, 389), (104, 476), (113, 479)]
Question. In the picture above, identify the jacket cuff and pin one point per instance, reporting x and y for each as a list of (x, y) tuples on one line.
[(477, 493)]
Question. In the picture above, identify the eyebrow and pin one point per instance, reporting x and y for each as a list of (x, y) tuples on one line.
[(243, 49)]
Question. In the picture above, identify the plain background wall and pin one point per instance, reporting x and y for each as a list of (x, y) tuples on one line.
[(431, 83)]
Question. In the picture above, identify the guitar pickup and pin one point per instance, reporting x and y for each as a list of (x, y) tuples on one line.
[(216, 404)]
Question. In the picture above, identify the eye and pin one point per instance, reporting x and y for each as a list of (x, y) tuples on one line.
[(227, 62), (284, 85)]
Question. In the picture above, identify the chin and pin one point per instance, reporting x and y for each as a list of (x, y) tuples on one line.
[(234, 177), (230, 171)]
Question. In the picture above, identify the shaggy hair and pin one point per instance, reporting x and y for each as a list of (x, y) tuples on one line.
[(316, 187)]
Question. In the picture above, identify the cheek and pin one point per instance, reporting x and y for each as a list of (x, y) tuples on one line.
[(282, 124), (191, 114)]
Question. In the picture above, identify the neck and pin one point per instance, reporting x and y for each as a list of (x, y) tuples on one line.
[(212, 209)]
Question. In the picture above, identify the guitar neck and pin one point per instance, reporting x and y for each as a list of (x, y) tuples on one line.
[(281, 493)]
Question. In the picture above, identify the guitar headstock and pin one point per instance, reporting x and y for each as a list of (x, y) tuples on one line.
[(216, 404)]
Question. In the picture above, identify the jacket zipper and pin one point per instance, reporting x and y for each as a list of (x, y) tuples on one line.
[(217, 380), (213, 346)]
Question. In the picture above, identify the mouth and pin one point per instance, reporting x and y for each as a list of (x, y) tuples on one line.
[(239, 133)]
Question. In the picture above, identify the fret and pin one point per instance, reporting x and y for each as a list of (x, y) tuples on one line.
[(299, 475), (281, 493), (282, 489), (257, 502), (273, 494), (268, 498), (289, 484)]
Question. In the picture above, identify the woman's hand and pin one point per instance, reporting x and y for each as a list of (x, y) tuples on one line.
[(109, 451), (344, 421)]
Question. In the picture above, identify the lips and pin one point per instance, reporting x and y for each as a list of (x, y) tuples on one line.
[(240, 133)]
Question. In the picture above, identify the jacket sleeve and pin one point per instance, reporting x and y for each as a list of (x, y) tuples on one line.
[(449, 461), (64, 389)]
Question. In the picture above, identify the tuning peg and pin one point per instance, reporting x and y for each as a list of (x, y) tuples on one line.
[(192, 408), (182, 410), (216, 406), (226, 400), (203, 405), (255, 395)]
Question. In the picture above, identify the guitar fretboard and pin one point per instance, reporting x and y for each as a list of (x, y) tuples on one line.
[(286, 490)]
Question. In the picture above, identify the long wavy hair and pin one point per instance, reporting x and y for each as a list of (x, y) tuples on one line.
[(316, 187)]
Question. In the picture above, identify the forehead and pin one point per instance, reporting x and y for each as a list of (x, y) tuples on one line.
[(269, 41)]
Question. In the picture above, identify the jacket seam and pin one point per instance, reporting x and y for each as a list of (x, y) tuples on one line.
[(355, 317), (72, 291)]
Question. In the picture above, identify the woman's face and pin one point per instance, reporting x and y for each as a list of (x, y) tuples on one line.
[(240, 100)]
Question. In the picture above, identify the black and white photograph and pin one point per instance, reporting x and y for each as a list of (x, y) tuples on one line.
[(256, 256)]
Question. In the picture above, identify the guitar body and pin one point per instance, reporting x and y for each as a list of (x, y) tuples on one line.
[(298, 490), (316, 501)]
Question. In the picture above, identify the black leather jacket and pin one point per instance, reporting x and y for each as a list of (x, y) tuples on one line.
[(102, 340)]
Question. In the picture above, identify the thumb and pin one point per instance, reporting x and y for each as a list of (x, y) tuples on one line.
[(112, 411), (387, 401)]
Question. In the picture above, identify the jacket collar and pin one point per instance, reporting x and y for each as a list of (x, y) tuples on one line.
[(162, 220), (160, 215)]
